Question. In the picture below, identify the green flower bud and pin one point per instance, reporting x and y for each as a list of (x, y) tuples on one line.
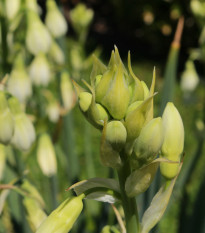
[(6, 120), (12, 8), (135, 120), (53, 110), (24, 132), (133, 106), (81, 17), (104, 82), (46, 156), (108, 155), (117, 92), (95, 113), (149, 142), (39, 70), (61, 220), (190, 78), (55, 21), (173, 144), (19, 83), (38, 38), (116, 134), (85, 99)]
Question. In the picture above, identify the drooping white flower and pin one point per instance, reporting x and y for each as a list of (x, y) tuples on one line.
[(46, 156), (19, 83), (38, 38), (39, 70), (55, 21)]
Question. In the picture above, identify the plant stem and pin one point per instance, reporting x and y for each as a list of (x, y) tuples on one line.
[(129, 204)]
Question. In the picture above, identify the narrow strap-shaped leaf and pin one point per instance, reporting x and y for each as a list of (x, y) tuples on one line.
[(157, 207)]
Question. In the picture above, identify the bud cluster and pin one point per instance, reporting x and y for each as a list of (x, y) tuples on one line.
[(121, 105)]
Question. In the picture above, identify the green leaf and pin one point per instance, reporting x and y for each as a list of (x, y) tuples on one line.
[(157, 207), (99, 189), (140, 180)]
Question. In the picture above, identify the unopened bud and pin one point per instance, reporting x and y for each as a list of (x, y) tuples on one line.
[(12, 8), (81, 17), (173, 144), (149, 142), (190, 78), (24, 132), (63, 217), (46, 156), (39, 70), (38, 38), (6, 120), (55, 21), (117, 95), (116, 134), (135, 120), (19, 83)]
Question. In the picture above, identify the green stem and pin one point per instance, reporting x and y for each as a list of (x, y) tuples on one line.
[(129, 204)]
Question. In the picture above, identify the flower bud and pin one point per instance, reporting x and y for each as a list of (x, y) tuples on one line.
[(173, 144), (19, 83), (63, 217), (53, 111), (149, 142), (12, 8), (67, 92), (46, 156), (2, 160), (104, 81), (116, 134), (38, 38), (95, 113), (109, 156), (135, 120), (34, 213), (55, 21), (39, 70), (56, 53), (189, 78), (81, 17), (24, 133), (85, 99), (6, 120), (117, 96)]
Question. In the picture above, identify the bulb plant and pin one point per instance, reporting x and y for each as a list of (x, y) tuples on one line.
[(134, 142)]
